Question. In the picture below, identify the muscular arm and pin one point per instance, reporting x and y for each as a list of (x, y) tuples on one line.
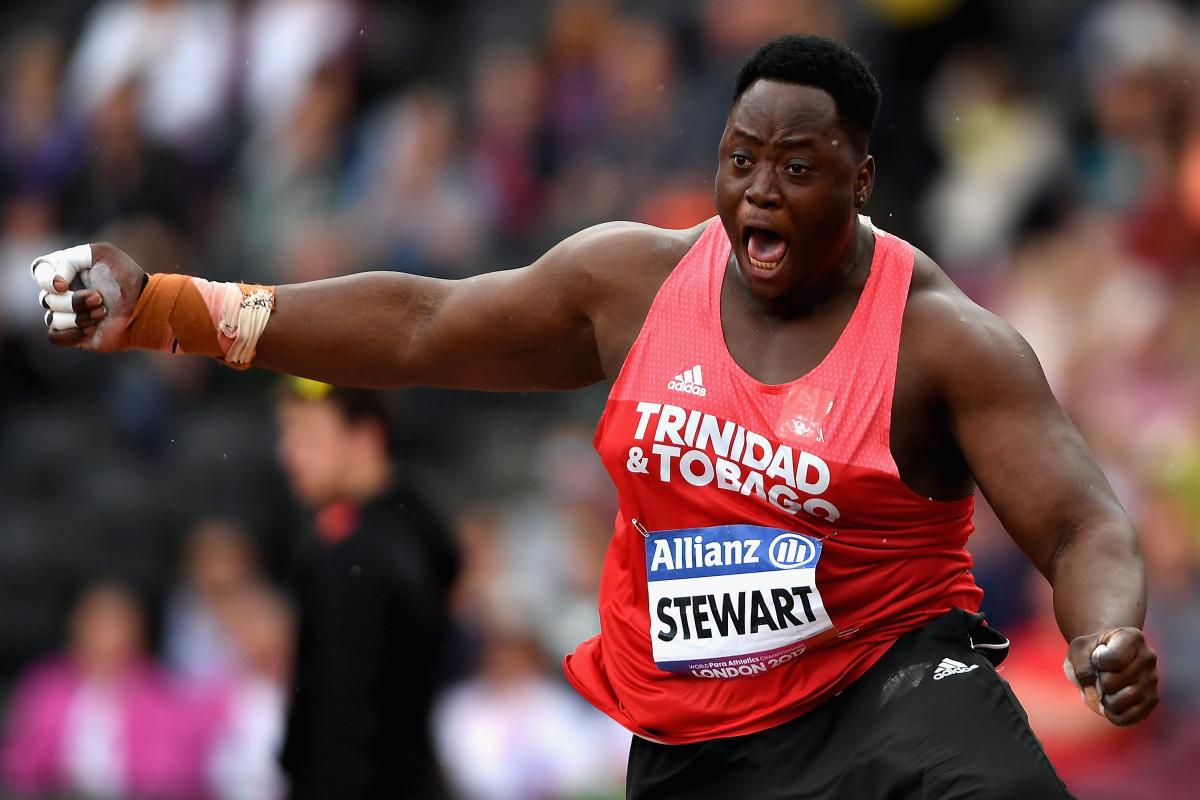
[(1044, 483), (561, 323), (1038, 474), (525, 329)]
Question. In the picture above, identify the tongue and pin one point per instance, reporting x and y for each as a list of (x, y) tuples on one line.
[(766, 247)]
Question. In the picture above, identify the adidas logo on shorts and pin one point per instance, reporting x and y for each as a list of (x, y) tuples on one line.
[(951, 667), (689, 382)]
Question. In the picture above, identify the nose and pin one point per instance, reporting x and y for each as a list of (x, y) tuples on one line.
[(763, 192)]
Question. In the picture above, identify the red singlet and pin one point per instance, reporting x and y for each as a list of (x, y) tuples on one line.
[(766, 553)]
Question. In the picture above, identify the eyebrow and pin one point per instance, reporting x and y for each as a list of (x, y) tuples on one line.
[(797, 140), (738, 130)]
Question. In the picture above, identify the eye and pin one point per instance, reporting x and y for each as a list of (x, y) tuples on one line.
[(797, 168), (740, 160)]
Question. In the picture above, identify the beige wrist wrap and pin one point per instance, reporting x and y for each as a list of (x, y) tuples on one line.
[(179, 313)]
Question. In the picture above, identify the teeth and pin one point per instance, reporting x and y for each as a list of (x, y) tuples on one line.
[(762, 264)]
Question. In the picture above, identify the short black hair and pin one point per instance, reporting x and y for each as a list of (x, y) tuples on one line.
[(825, 64), (363, 405)]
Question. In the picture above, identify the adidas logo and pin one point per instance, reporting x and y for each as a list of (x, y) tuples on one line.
[(951, 667), (689, 382)]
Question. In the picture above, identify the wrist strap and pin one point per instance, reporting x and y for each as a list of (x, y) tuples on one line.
[(182, 314)]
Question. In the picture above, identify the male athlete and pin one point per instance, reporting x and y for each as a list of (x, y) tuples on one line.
[(800, 406)]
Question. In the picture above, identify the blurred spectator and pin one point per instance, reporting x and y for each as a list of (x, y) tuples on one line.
[(1081, 302), (371, 593), (219, 562), (28, 228), (39, 149), (575, 34), (514, 733), (507, 100), (287, 43), (243, 754), (101, 720), (538, 557), (1001, 151), (1172, 554), (1001, 570), (179, 51), (632, 138), (416, 210), (1047, 153), (1139, 57), (735, 27), (292, 174), (1122, 35), (38, 138), (123, 175)]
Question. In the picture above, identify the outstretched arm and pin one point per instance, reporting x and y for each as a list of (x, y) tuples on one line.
[(525, 329), (1047, 489)]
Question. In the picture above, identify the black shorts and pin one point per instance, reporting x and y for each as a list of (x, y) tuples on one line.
[(931, 719)]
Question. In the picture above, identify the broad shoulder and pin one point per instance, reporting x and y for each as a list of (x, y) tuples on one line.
[(614, 251), (957, 342), (613, 273)]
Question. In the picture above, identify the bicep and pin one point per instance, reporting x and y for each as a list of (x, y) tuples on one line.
[(1029, 459), (522, 329)]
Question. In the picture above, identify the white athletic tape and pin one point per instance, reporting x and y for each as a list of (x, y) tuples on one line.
[(44, 273), (65, 264), (56, 302), (60, 320), (244, 319)]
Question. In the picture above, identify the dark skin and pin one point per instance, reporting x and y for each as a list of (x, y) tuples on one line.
[(971, 403)]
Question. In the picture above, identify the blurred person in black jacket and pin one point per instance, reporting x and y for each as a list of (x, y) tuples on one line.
[(371, 592)]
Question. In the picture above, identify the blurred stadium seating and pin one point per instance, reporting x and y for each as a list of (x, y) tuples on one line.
[(1046, 154)]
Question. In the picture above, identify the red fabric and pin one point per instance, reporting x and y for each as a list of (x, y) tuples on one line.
[(336, 522), (892, 561)]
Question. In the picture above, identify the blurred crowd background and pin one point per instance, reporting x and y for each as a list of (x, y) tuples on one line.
[(1046, 154)]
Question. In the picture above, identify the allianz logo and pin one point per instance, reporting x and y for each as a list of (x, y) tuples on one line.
[(786, 551), (791, 550)]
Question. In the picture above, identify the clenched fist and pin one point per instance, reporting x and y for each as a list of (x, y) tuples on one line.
[(89, 292), (1116, 670)]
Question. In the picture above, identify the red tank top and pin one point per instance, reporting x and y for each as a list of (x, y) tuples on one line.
[(766, 553)]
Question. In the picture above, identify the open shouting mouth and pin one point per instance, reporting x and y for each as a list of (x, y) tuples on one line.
[(765, 248)]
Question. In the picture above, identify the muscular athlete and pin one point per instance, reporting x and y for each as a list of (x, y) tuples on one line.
[(971, 406)]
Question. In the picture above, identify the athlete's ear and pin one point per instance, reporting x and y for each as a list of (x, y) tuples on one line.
[(864, 181)]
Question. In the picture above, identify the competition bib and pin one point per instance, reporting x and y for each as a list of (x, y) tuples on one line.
[(733, 600)]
